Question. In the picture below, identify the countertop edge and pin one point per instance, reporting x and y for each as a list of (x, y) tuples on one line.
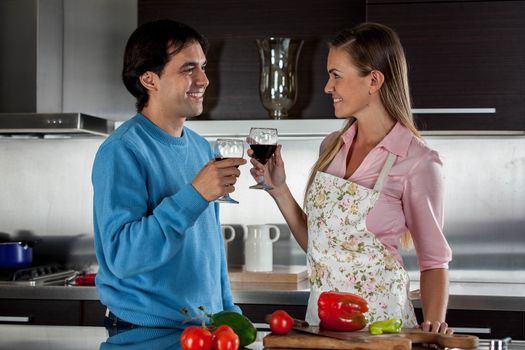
[(268, 297)]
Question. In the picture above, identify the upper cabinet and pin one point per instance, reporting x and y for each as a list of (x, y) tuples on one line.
[(233, 59), (466, 58), (466, 61)]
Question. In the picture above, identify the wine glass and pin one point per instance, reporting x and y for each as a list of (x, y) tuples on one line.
[(228, 148), (263, 142)]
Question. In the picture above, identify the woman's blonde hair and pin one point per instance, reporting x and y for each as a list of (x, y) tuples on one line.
[(373, 46)]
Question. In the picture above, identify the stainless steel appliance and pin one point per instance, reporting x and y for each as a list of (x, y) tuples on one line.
[(38, 97), (54, 123), (37, 276), (500, 344)]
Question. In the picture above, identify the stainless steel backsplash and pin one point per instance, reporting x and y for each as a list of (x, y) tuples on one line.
[(46, 192)]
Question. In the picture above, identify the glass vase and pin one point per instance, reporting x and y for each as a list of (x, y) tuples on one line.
[(278, 76)]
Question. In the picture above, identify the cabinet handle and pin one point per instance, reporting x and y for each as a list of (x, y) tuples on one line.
[(453, 110), (13, 319), (471, 330), (262, 326)]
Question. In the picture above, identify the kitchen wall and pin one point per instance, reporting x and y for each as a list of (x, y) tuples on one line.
[(45, 183), (46, 192)]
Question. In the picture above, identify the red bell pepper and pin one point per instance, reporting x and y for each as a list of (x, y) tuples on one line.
[(340, 311)]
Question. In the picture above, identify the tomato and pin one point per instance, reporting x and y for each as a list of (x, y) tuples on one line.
[(196, 338), (222, 328), (224, 338), (281, 322)]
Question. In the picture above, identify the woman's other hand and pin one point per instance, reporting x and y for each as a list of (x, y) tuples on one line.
[(436, 327)]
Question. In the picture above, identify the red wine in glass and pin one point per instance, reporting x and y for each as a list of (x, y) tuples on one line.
[(263, 152), (263, 142)]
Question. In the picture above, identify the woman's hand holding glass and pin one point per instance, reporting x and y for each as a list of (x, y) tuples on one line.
[(263, 142), (273, 171)]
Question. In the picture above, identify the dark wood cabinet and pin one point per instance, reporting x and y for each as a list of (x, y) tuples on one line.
[(483, 323), (462, 54), (41, 312), (466, 58), (52, 312), (92, 312), (233, 59), (486, 323)]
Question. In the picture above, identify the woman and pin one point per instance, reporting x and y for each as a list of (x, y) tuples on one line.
[(374, 185)]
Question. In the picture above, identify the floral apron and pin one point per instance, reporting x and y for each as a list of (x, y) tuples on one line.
[(344, 256)]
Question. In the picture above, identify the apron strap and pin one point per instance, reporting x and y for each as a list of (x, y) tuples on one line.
[(384, 172)]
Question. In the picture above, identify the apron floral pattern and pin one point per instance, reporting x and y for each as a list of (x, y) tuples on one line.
[(344, 256)]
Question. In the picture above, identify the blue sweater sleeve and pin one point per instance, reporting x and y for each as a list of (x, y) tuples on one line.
[(136, 239)]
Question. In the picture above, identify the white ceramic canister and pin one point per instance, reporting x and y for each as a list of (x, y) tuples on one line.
[(228, 235), (258, 249)]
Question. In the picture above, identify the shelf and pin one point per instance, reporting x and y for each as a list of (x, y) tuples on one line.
[(292, 128), (306, 128)]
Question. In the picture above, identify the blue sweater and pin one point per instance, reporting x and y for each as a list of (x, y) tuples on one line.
[(158, 241)]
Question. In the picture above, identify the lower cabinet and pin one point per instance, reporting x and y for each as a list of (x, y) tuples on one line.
[(41, 312), (485, 324), (93, 313), (52, 312)]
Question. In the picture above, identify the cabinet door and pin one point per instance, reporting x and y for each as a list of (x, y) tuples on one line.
[(462, 55), (233, 59), (40, 312), (93, 313), (487, 324)]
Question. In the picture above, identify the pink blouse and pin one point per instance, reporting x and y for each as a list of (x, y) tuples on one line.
[(411, 198)]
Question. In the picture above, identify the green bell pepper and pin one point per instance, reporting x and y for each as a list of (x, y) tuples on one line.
[(385, 326)]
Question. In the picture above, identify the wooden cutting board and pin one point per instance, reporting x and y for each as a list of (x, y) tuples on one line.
[(294, 340), (363, 340), (280, 274)]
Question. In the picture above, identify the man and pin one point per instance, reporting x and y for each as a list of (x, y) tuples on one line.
[(157, 233)]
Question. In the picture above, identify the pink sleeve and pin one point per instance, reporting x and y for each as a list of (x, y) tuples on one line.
[(423, 208)]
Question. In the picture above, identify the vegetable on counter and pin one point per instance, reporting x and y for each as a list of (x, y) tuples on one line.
[(280, 322), (240, 324), (196, 338), (339, 311), (229, 331), (385, 326), (224, 338)]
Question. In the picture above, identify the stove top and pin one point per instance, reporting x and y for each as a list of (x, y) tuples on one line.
[(37, 275), (490, 344)]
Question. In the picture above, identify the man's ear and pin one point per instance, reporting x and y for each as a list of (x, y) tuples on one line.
[(376, 81), (149, 80)]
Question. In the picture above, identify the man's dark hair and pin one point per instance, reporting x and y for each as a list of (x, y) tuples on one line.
[(147, 50)]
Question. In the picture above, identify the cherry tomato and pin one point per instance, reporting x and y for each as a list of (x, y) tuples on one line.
[(224, 338), (281, 322), (196, 338)]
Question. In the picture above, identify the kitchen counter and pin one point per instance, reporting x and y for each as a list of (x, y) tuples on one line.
[(96, 338), (463, 296)]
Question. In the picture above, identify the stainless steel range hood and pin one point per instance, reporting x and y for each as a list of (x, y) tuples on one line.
[(54, 123), (54, 66)]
